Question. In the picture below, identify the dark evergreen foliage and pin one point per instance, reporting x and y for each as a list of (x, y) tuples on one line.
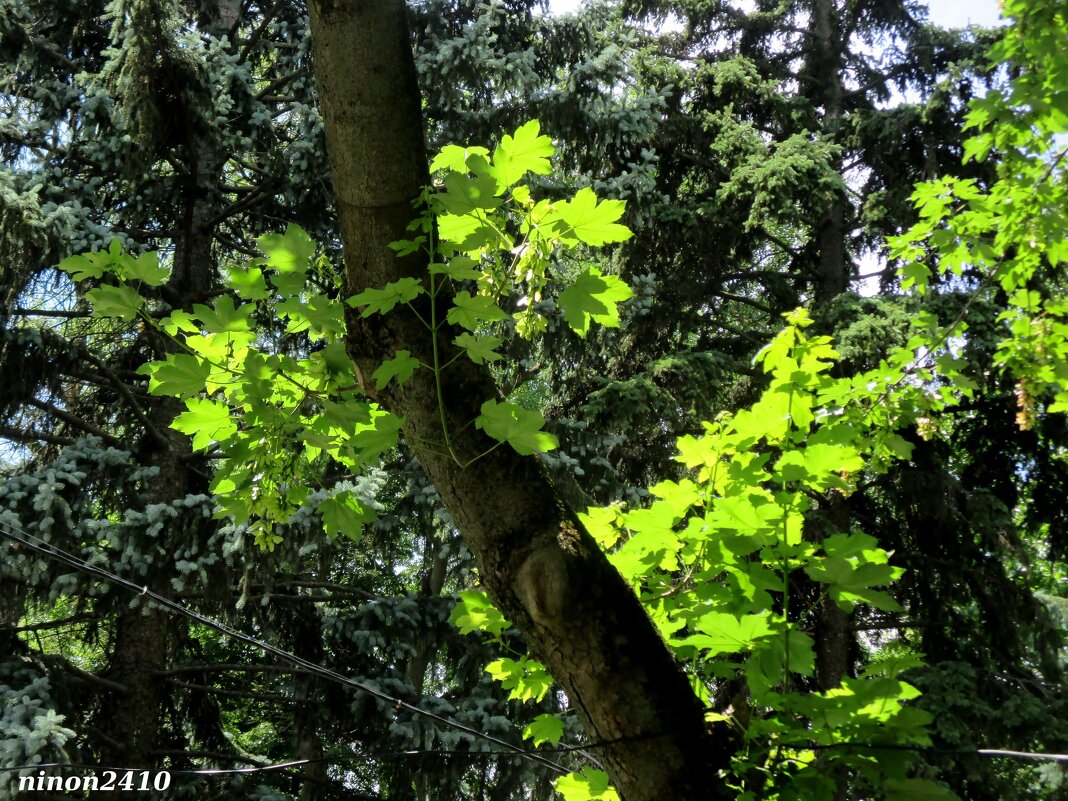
[(764, 155)]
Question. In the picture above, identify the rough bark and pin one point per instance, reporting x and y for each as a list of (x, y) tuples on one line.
[(833, 632), (132, 719), (433, 581), (825, 75), (140, 651), (824, 68), (834, 639), (537, 563), (306, 630)]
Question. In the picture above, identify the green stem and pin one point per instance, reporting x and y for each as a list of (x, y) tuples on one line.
[(438, 370), (417, 314), (784, 566), (465, 465)]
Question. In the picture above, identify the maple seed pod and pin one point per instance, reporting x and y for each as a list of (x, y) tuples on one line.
[(1025, 417)]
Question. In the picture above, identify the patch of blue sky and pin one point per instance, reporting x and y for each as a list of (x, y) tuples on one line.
[(946, 13)]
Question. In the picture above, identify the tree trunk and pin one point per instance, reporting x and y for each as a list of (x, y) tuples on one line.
[(434, 575), (140, 651), (305, 629), (540, 567), (824, 67), (825, 75)]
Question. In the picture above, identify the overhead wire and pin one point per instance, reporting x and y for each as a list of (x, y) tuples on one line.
[(335, 760), (24, 538), (28, 540)]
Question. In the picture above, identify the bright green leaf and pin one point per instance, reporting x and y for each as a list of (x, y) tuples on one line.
[(544, 728), (454, 157), (179, 321), (320, 316), (343, 514), (264, 535), (525, 679), (526, 151), (122, 302), (470, 312), (474, 612), (513, 424), (406, 247), (583, 219), (381, 301), (87, 265), (146, 269), (465, 193), (588, 785), (479, 349), (224, 317), (400, 367), (603, 524), (593, 296), (466, 231), (207, 421), (248, 283), (179, 375), (378, 435), (721, 632), (290, 252), (459, 268)]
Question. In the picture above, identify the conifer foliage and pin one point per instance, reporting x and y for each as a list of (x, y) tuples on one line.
[(518, 375)]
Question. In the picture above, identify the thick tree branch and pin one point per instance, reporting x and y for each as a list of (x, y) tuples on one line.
[(541, 568), (59, 663), (47, 625), (32, 437), (274, 698), (227, 667), (73, 420), (63, 313), (131, 401)]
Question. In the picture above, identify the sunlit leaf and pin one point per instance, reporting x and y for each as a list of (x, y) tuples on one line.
[(454, 157), (721, 632), (224, 316), (544, 728), (593, 297), (343, 514), (400, 367), (479, 349), (207, 421), (379, 434), (146, 269), (381, 301), (525, 151), (474, 612), (121, 302), (471, 311), (248, 283), (289, 252), (178, 375), (583, 219), (517, 426), (87, 265), (465, 193), (589, 784), (525, 679)]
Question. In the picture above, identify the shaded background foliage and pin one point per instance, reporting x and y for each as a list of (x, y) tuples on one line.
[(763, 154)]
